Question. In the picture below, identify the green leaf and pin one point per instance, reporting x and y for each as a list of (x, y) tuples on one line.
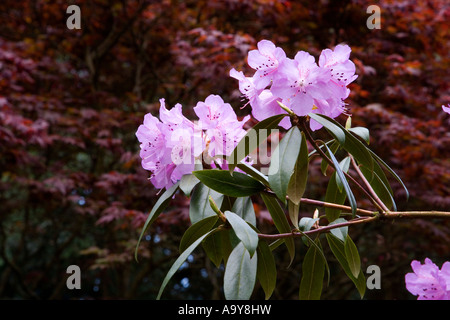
[(180, 260), (361, 132), (282, 162), (345, 165), (197, 230), (187, 183), (306, 223), (340, 174), (243, 231), (293, 210), (243, 207), (236, 185), (324, 164), (240, 274), (350, 143), (333, 195), (392, 172), (199, 207), (160, 205), (352, 255), (313, 271), (253, 139), (217, 247), (297, 183), (266, 269), (337, 247), (340, 233), (280, 221), (248, 169), (382, 190), (332, 127)]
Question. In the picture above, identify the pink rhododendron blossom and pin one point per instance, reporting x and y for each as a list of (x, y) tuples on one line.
[(428, 282), (171, 145), (223, 130), (446, 109), (265, 61), (246, 85), (300, 83), (167, 145)]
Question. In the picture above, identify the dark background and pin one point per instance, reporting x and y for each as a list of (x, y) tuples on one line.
[(71, 187)]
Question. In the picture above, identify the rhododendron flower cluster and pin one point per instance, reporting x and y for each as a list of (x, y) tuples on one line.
[(300, 83), (428, 282), (172, 145)]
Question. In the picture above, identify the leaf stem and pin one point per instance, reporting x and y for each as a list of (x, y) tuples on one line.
[(361, 220), (369, 187)]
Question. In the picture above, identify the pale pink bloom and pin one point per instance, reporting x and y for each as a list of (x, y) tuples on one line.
[(446, 109), (428, 282), (301, 81), (266, 61)]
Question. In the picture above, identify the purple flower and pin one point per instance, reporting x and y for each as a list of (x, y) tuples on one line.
[(266, 61), (246, 85), (171, 145), (266, 105), (167, 145), (337, 61), (428, 282), (213, 112), (446, 109), (223, 129), (302, 82)]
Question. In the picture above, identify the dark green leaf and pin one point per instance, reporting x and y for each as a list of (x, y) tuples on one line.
[(352, 255), (197, 230), (297, 184), (160, 205), (313, 270), (243, 207), (217, 247), (333, 195), (340, 233), (187, 183), (340, 174), (337, 247), (282, 162), (350, 143), (253, 139), (361, 132), (248, 169), (293, 210), (392, 172), (177, 264), (240, 274), (337, 131), (324, 164), (345, 165), (280, 221), (267, 270), (200, 207), (236, 185), (243, 231), (382, 190)]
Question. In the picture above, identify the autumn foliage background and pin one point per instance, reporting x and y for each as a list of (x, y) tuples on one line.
[(72, 190)]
